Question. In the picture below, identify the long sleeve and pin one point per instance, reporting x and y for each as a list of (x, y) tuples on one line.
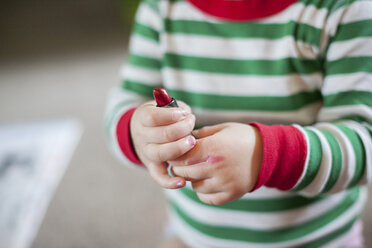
[(142, 68), (339, 146)]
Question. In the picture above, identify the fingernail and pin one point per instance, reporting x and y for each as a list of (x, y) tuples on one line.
[(179, 184), (191, 140)]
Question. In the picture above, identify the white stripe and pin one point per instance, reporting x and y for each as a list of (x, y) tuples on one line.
[(196, 239), (261, 193), (303, 116), (341, 16), (145, 47), (320, 180), (334, 113), (350, 48), (211, 83), (143, 75), (148, 17), (348, 157), (355, 11), (306, 14), (367, 143), (355, 81), (217, 47), (306, 165), (253, 220)]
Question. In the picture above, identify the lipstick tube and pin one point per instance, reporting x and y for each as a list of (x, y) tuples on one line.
[(164, 100)]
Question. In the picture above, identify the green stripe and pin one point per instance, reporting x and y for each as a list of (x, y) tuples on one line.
[(331, 5), (258, 205), (315, 158), (139, 87), (319, 4), (353, 30), (348, 65), (224, 102), (359, 151), (300, 31), (353, 97), (142, 61), (336, 160), (146, 32), (332, 236), (283, 66), (275, 235)]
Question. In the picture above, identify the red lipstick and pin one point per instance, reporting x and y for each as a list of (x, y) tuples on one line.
[(163, 99)]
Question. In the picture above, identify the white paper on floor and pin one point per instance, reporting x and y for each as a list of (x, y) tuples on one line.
[(33, 159)]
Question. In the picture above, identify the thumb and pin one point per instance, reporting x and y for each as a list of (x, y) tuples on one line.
[(208, 130)]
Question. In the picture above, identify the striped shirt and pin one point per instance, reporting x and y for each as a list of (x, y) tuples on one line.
[(308, 66)]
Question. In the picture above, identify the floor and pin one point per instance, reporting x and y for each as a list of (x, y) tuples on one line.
[(52, 75)]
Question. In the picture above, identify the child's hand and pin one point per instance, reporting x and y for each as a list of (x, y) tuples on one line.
[(224, 164), (162, 134)]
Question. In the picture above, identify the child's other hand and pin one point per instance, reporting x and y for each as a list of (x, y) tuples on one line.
[(224, 164), (162, 134)]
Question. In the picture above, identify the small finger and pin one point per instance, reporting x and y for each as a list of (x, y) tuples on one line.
[(208, 130), (206, 186), (170, 133), (159, 173), (153, 116), (193, 172), (214, 199), (169, 151)]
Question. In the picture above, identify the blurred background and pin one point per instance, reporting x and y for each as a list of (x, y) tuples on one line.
[(58, 59)]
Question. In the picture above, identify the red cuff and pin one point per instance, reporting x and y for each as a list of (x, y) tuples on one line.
[(124, 138), (284, 155)]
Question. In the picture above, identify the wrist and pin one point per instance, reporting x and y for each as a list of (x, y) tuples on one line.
[(257, 156)]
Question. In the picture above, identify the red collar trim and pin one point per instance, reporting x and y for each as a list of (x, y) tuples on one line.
[(241, 10)]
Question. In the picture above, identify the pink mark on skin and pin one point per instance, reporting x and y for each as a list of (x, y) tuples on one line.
[(207, 160), (214, 159)]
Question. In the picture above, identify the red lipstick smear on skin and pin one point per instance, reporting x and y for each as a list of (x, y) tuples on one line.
[(162, 97), (214, 159), (207, 160)]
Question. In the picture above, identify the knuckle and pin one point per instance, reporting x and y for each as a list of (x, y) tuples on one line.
[(168, 134), (150, 119), (160, 155), (174, 116), (186, 174), (147, 151)]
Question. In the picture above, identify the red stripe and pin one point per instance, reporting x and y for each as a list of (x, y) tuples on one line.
[(124, 138), (284, 155), (242, 10)]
